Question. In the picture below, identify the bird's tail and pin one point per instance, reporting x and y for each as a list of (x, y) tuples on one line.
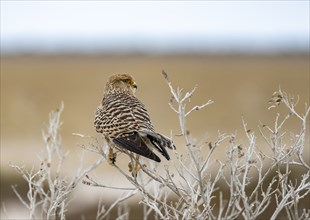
[(143, 142), (136, 143), (160, 142)]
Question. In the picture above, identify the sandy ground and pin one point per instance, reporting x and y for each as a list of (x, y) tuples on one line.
[(31, 86)]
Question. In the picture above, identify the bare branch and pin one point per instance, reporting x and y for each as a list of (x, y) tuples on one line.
[(194, 184)]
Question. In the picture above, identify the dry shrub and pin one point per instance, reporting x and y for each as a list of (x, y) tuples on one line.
[(246, 185)]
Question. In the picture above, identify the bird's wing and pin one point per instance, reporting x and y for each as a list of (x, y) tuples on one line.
[(135, 143)]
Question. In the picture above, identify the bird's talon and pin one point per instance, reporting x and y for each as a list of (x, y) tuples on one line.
[(134, 174), (130, 166)]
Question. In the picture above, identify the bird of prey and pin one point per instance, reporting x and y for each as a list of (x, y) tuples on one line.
[(124, 120)]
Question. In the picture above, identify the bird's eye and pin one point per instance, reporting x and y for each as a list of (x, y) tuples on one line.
[(126, 80)]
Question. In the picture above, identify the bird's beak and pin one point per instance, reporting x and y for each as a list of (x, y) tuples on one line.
[(135, 86)]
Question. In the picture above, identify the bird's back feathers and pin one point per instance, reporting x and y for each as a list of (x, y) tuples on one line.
[(122, 118)]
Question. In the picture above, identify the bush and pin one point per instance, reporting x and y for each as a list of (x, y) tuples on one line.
[(250, 183)]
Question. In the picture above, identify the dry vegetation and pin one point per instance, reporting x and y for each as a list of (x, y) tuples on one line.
[(250, 183)]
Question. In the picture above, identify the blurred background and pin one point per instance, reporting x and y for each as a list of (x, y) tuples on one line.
[(237, 52)]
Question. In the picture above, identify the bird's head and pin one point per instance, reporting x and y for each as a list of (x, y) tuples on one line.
[(121, 83)]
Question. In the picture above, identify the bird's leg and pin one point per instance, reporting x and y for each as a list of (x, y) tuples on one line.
[(111, 156), (130, 167), (137, 167), (134, 166)]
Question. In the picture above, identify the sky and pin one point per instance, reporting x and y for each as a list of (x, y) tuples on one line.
[(161, 26)]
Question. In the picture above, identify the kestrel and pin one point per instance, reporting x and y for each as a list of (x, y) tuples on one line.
[(124, 120)]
